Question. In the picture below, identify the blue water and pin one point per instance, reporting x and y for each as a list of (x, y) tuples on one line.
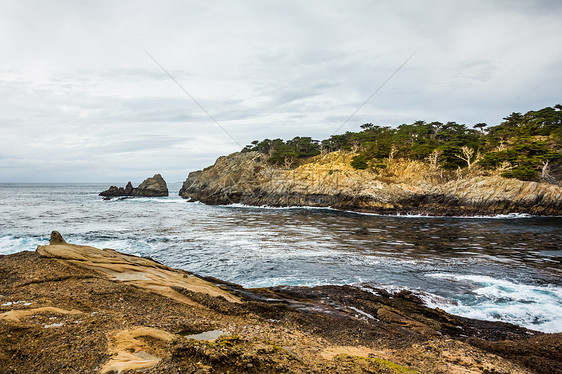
[(496, 268)]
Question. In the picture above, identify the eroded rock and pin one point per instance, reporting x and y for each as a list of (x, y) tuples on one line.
[(113, 312), (151, 187), (405, 187)]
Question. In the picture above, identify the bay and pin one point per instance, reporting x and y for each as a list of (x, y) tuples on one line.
[(504, 268)]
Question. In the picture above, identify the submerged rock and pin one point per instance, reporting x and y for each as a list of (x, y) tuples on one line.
[(151, 187)]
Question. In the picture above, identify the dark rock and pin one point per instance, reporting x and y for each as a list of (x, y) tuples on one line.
[(151, 187), (113, 191), (129, 188)]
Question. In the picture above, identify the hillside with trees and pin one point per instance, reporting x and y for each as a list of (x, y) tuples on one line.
[(523, 146)]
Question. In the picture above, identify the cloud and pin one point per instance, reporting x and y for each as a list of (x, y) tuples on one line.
[(83, 102)]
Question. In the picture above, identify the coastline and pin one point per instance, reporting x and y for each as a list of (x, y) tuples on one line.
[(102, 310), (405, 187), (369, 213)]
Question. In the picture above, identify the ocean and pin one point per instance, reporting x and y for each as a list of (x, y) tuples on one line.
[(504, 268)]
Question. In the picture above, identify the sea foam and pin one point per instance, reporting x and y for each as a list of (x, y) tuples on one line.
[(537, 307)]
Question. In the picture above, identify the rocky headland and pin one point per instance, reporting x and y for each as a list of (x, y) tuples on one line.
[(151, 187), (397, 187), (77, 309)]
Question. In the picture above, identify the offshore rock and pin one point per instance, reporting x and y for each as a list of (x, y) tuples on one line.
[(400, 187), (150, 187)]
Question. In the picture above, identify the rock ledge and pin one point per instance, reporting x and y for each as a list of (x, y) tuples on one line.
[(69, 308)]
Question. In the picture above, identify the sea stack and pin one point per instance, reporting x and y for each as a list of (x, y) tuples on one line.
[(151, 187)]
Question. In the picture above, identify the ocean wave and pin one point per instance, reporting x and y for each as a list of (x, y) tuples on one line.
[(269, 207), (157, 200), (400, 215), (411, 215), (302, 245), (12, 244), (537, 307)]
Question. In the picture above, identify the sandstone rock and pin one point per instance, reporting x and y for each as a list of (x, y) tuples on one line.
[(56, 238), (98, 301), (151, 187), (329, 181)]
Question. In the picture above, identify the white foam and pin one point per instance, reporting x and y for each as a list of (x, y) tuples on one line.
[(11, 244), (267, 207), (531, 306), (391, 288), (412, 215), (156, 200)]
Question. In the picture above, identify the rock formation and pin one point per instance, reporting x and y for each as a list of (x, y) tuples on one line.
[(401, 187), (150, 187), (77, 309)]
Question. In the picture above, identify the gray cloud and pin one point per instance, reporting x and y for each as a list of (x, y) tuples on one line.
[(81, 101)]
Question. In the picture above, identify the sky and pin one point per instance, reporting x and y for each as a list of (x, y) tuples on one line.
[(82, 100)]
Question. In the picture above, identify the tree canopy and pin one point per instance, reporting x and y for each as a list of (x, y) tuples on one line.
[(521, 146)]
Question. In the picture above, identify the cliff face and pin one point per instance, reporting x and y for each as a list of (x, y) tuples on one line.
[(403, 187)]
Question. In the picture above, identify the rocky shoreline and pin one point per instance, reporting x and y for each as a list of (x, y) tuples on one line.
[(67, 309), (401, 187)]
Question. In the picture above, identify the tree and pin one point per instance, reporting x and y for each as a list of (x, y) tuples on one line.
[(304, 146), (522, 146), (480, 126), (433, 158), (359, 162), (435, 128), (467, 155)]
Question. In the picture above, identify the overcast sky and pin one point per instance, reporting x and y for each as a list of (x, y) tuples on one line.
[(81, 101)]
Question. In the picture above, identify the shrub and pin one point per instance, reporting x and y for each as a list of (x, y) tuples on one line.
[(524, 173)]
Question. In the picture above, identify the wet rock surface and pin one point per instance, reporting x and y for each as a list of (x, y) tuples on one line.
[(79, 310), (151, 187), (404, 187)]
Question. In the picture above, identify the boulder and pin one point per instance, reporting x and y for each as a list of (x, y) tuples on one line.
[(151, 187)]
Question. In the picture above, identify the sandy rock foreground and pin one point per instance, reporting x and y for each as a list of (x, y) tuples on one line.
[(77, 309)]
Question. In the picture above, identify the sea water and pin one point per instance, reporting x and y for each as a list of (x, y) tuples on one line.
[(505, 268)]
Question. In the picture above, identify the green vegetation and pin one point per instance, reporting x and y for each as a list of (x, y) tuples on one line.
[(281, 152), (523, 146), (394, 367), (383, 364)]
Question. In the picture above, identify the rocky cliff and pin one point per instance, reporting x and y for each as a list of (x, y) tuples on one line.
[(397, 187), (151, 187)]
